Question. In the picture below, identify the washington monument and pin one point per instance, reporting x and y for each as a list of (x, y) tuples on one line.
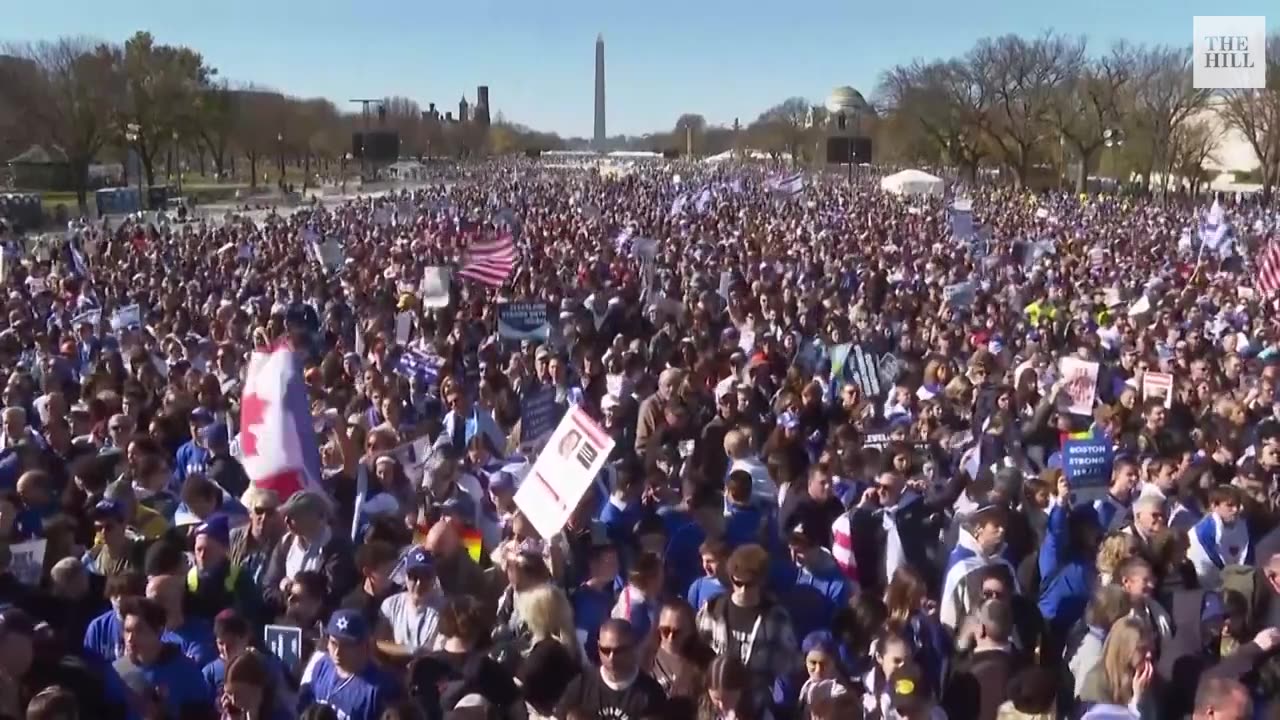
[(599, 139)]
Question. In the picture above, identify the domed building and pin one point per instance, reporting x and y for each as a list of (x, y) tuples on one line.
[(846, 100)]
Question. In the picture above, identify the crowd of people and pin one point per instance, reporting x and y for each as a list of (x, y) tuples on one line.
[(837, 490)]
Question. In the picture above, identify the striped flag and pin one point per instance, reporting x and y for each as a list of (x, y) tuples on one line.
[(414, 363), (490, 261), (1269, 270), (789, 186)]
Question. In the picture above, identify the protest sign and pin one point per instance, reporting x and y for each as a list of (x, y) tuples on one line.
[(563, 472), (1081, 388), (523, 321), (285, 642), (404, 327), (854, 363), (959, 295), (88, 317), (435, 287), (126, 317), (726, 282), (1087, 466), (537, 415), (332, 254), (27, 563), (889, 368), (1158, 385)]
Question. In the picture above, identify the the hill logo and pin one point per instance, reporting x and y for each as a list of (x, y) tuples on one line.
[(1229, 51)]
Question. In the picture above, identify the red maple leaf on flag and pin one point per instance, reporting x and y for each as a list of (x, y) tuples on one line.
[(253, 408)]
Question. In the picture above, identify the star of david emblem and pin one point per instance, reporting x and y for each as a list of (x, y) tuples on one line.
[(342, 624)]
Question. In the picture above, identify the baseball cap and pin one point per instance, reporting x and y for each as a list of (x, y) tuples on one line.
[(107, 510), (217, 528), (215, 434), (348, 626), (909, 690), (418, 559), (201, 416)]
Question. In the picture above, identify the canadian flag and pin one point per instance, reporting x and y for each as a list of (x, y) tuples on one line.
[(277, 438)]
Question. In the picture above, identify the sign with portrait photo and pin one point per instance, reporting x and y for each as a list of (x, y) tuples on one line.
[(563, 472)]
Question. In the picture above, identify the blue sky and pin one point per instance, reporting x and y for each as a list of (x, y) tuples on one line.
[(664, 57)]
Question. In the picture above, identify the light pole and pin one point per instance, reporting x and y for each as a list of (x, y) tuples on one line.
[(178, 154), (280, 155), (132, 134), (1113, 138)]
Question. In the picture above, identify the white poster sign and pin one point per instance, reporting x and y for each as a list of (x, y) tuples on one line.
[(28, 561), (435, 287), (1081, 387), (1158, 385), (563, 472)]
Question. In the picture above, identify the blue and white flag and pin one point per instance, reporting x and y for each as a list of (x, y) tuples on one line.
[(1215, 230), (76, 257), (1214, 545), (419, 363), (129, 316), (789, 186), (677, 205), (703, 202)]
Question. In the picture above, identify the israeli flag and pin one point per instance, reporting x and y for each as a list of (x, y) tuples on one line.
[(790, 186), (416, 362), (703, 201), (1213, 545), (1215, 231), (677, 205)]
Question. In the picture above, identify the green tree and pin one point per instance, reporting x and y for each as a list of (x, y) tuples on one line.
[(217, 112), (162, 83)]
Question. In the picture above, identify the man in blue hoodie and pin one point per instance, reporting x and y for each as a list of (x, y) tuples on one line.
[(158, 674), (818, 588)]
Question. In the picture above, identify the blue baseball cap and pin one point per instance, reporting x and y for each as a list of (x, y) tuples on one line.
[(215, 434), (201, 416), (347, 625), (107, 510), (216, 527), (418, 559)]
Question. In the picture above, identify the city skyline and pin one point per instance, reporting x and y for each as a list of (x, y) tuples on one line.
[(667, 58)]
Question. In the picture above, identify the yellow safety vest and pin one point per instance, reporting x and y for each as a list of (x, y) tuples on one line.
[(193, 579)]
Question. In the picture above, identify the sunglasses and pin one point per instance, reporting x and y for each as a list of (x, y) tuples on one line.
[(264, 511), (667, 631), (992, 594), (610, 651), (738, 582)]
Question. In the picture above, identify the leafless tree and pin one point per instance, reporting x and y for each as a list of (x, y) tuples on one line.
[(67, 90), (1255, 114), (1090, 102), (1023, 78), (1164, 97)]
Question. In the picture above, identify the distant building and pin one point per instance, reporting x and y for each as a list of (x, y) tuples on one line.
[(481, 112), (464, 110)]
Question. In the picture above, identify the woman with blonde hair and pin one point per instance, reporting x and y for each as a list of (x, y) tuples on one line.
[(1108, 604), (555, 656), (1114, 550), (1122, 682)]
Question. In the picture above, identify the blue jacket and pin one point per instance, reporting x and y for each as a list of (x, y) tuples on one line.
[(1065, 580), (815, 595), (189, 460), (703, 590), (591, 607), (620, 521), (177, 680), (195, 637), (103, 636)]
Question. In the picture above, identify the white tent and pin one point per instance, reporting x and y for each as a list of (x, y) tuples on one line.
[(912, 182)]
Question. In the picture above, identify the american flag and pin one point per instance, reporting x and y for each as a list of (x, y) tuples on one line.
[(1269, 270), (490, 261)]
